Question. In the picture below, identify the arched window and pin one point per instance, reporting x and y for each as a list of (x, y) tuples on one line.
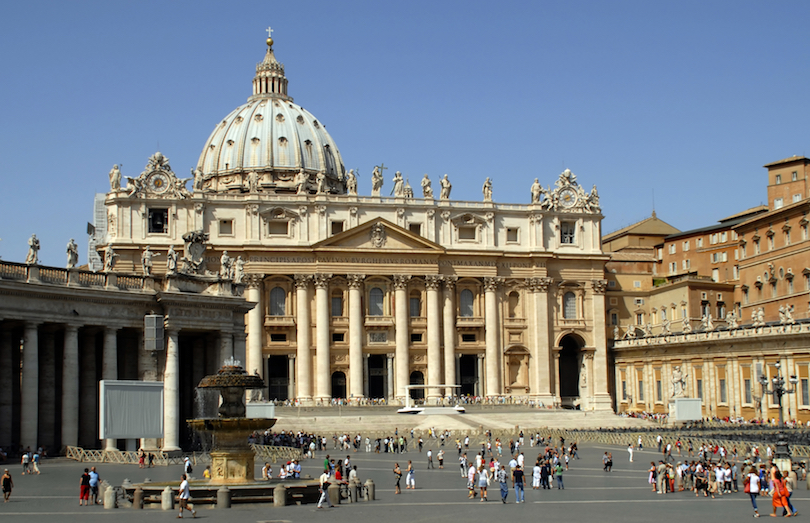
[(278, 301), (375, 302), (514, 302), (465, 303), (569, 306)]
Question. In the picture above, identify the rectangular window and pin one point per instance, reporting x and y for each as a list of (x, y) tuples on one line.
[(790, 286), (466, 233), (624, 390), (640, 318), (699, 243), (797, 198), (723, 237), (378, 337), (278, 228), (567, 233), (337, 227), (338, 337), (614, 318), (278, 337), (416, 337), (771, 243), (756, 247), (699, 384), (158, 221), (805, 393), (747, 389), (612, 283), (778, 179), (640, 390), (337, 306), (721, 311), (658, 391), (713, 238), (512, 235), (794, 176), (686, 246), (637, 284), (468, 338), (614, 301), (415, 307), (415, 228), (673, 267), (672, 248), (226, 227), (723, 391)]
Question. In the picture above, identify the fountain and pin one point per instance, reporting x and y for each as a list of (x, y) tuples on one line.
[(232, 459)]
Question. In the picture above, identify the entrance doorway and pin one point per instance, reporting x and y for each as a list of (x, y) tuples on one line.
[(338, 384), (376, 376), (417, 378), (570, 356), (278, 378), (468, 374)]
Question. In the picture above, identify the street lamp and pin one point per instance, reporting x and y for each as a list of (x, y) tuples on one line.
[(778, 387)]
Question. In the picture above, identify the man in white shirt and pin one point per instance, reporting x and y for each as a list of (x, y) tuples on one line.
[(324, 481), (183, 495)]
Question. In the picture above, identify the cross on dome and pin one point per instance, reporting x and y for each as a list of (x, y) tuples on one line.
[(270, 32)]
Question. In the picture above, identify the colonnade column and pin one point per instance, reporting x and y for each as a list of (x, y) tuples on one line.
[(434, 356), (70, 387), (401, 325), (5, 387), (365, 374), (29, 394), (557, 376), (601, 396), (357, 376), (323, 361), (109, 368), (303, 326), (171, 392), (290, 375), (88, 385), (389, 359), (226, 346), (47, 395), (479, 382), (493, 352), (255, 327), (449, 330), (541, 345)]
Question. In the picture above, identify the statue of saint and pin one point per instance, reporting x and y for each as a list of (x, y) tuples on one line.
[(687, 327), (198, 179), (171, 260), (33, 250), (427, 190), (616, 332), (376, 181), (537, 191), (253, 181), (72, 254), (321, 183), (399, 185), (351, 183), (487, 190), (225, 263), (446, 186), (761, 316), (115, 179), (238, 270), (109, 259), (146, 261), (301, 182), (666, 326), (678, 382), (789, 315)]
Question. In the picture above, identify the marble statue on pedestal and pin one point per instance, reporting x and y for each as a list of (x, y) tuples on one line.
[(146, 260), (109, 259), (427, 189), (225, 263), (446, 187), (731, 320), (537, 191), (487, 190), (33, 250), (301, 182), (376, 181), (72, 254), (115, 178), (171, 260), (399, 185), (238, 270), (687, 326), (678, 382), (320, 180), (351, 183)]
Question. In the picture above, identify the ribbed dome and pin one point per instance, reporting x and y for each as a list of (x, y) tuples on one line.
[(272, 136)]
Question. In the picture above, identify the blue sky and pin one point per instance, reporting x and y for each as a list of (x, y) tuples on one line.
[(685, 99)]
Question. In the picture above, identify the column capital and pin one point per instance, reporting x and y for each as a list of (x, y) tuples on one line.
[(401, 281), (599, 286), (479, 356), (450, 281), (433, 281), (491, 283), (355, 281), (322, 280), (390, 355), (302, 280), (73, 327), (253, 281), (539, 284)]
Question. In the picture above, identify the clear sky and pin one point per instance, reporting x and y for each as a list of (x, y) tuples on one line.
[(683, 99)]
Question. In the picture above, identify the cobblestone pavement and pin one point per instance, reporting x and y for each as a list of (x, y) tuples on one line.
[(590, 494)]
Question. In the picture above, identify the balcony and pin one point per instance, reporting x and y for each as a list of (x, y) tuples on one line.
[(379, 321), (279, 321), (469, 322)]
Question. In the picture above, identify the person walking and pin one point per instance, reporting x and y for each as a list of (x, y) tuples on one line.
[(183, 495), (471, 481), (410, 479), (84, 488), (630, 451), (790, 485), (398, 476), (483, 481), (324, 483), (94, 487), (779, 495), (7, 485), (517, 483), (751, 487), (25, 460), (430, 459), (35, 462), (558, 473), (504, 486)]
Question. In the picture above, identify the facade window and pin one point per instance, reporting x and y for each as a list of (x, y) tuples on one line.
[(468, 338), (416, 337), (658, 391), (672, 248), (778, 203), (773, 290), (465, 304), (278, 301), (794, 176), (624, 390), (226, 227), (715, 274), (278, 228), (663, 315), (805, 393), (685, 264), (337, 227), (804, 232), (568, 233), (337, 303), (415, 303), (512, 235), (466, 233), (612, 284), (378, 337), (771, 243), (790, 286), (514, 303), (673, 267), (415, 228), (640, 390), (756, 247), (614, 318), (375, 302), (747, 391), (278, 337), (778, 179), (158, 221), (722, 387), (699, 384), (686, 246), (699, 243), (569, 306), (723, 237), (637, 284), (735, 271), (797, 198), (338, 337), (640, 318), (721, 310)]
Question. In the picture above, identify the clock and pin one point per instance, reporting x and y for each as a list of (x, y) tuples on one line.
[(158, 182), (568, 197)]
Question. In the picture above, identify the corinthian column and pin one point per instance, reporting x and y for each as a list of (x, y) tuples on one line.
[(401, 320), (600, 358), (70, 387), (6, 376), (541, 344), (171, 393), (449, 329), (255, 328), (434, 351), (29, 397), (324, 390), (492, 336), (356, 336), (303, 325), (109, 367)]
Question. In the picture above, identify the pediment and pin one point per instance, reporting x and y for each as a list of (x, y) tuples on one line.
[(378, 235)]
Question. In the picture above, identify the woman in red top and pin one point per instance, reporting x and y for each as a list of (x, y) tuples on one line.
[(780, 494), (84, 492)]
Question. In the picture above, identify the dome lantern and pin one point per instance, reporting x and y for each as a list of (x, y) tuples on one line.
[(270, 80)]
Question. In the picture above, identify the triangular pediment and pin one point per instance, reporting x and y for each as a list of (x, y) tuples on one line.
[(378, 235)]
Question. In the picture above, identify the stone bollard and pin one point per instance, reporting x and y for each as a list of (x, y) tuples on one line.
[(333, 491), (280, 496), (137, 498), (369, 490), (224, 497), (354, 487), (167, 499), (109, 498)]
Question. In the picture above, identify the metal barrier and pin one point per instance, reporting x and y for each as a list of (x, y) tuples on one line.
[(269, 453)]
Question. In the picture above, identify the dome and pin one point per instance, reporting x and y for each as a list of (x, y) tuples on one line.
[(272, 137)]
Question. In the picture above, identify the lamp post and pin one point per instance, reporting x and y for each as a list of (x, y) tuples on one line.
[(778, 388)]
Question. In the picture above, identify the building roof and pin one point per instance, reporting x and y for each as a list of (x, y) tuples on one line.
[(725, 223), (753, 211), (651, 226), (793, 158)]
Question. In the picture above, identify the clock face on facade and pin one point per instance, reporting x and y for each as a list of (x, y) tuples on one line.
[(158, 182), (568, 197)]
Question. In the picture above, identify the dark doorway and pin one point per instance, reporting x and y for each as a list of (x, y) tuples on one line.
[(569, 366), (417, 378), (468, 370), (376, 376), (278, 378), (338, 385)]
